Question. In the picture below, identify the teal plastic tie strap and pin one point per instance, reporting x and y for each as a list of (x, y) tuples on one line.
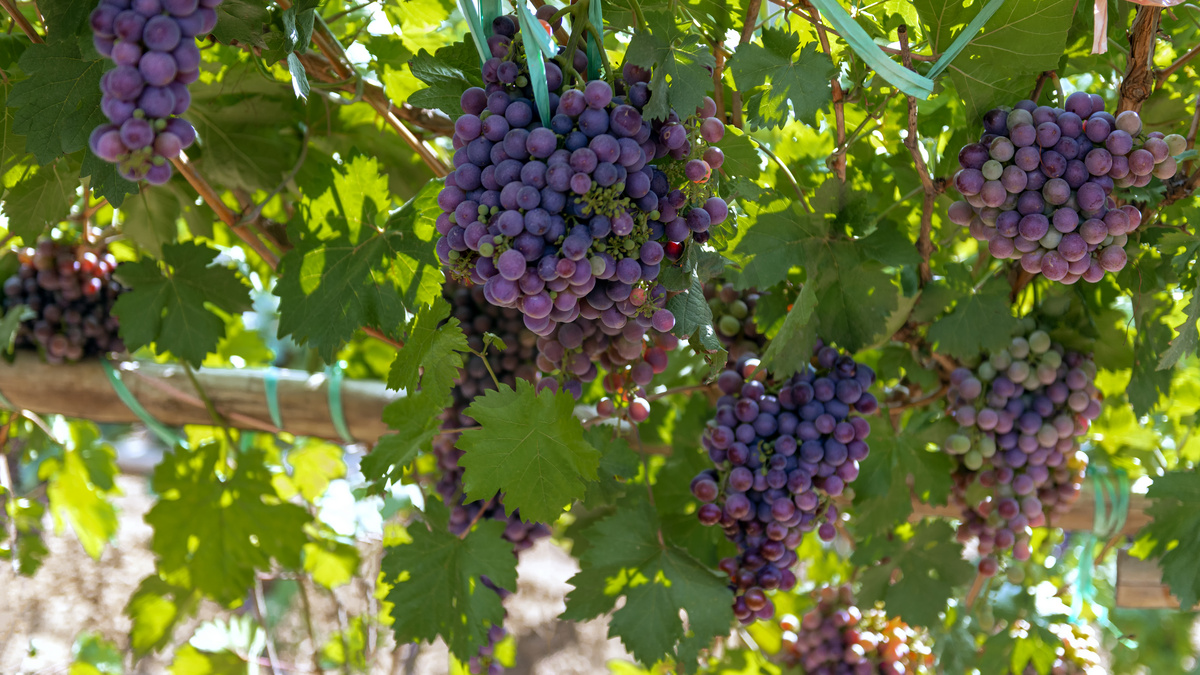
[(902, 78), (964, 38), (114, 378), (467, 7), (271, 391), (531, 30), (489, 11), (596, 18), (334, 373), (1111, 512)]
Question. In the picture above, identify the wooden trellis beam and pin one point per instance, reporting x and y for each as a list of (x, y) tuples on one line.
[(83, 390), (1140, 586)]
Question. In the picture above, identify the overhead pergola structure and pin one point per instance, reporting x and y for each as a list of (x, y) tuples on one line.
[(305, 408)]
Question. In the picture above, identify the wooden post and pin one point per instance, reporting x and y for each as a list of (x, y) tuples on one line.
[(1140, 586), (83, 390)]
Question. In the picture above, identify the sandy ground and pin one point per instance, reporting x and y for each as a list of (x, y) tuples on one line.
[(41, 616)]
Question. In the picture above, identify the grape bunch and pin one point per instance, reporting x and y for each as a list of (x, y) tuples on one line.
[(630, 356), (781, 451), (71, 292), (572, 220), (733, 311), (477, 317), (837, 638), (1021, 413), (1039, 185), (152, 44)]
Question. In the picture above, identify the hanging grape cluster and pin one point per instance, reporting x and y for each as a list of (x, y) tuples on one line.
[(478, 317), (71, 292), (733, 317), (1039, 185), (836, 638), (1021, 413), (572, 220), (781, 450), (152, 43)]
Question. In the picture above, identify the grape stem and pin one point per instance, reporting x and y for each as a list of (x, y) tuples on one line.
[(937, 395), (218, 420), (21, 21), (483, 355), (973, 594), (787, 173), (912, 141), (1170, 70), (308, 624), (839, 98)]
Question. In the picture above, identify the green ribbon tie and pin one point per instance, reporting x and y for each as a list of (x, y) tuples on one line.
[(161, 430), (336, 414)]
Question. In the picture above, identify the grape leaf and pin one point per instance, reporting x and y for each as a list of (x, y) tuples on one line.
[(191, 660), (58, 105), (340, 276), (151, 218), (216, 526), (166, 306), (1187, 339), (241, 21), (694, 322), (154, 610), (431, 352), (1147, 384), (66, 17), (801, 79), (882, 495), (80, 485), (12, 144), (415, 418), (793, 345), (931, 566), (618, 463), (105, 181), (530, 447), (331, 562), (627, 557), (41, 198), (985, 74), (675, 54), (436, 589), (981, 320), (448, 73), (1174, 534), (11, 323), (315, 463)]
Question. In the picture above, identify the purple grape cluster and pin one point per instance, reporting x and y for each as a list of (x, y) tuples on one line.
[(630, 356), (733, 312), (781, 452), (71, 292), (152, 44), (477, 317), (572, 220), (837, 638), (1021, 414), (1039, 185)]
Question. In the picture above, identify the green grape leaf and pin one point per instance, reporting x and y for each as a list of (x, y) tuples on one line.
[(166, 303), (215, 526), (11, 323), (315, 463), (981, 320), (331, 562), (436, 591), (930, 564), (95, 656), (792, 347), (431, 354), (151, 218), (530, 447), (42, 198), (448, 73), (1174, 535), (1187, 339), (58, 105), (66, 18), (627, 556), (694, 322), (415, 419), (191, 660), (12, 144), (985, 74), (801, 79), (1147, 384), (342, 273), (154, 610), (80, 485), (242, 21), (104, 180), (676, 56), (618, 464), (882, 495)]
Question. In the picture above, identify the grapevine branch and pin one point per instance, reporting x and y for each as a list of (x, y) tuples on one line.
[(752, 10), (224, 213), (1139, 78), (838, 162), (912, 141), (21, 21), (1179, 63)]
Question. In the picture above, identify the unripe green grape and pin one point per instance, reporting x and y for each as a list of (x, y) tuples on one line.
[(1019, 117), (986, 372), (1018, 371), (1016, 574), (729, 325), (1039, 341), (739, 309), (957, 444), (987, 446), (1051, 239), (1019, 347), (1176, 143), (1028, 324), (973, 460), (1052, 358), (1001, 360), (992, 169)]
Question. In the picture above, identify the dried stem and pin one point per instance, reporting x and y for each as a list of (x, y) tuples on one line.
[(1179, 63), (838, 162), (21, 21), (1139, 80), (1037, 87), (937, 395), (912, 141)]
